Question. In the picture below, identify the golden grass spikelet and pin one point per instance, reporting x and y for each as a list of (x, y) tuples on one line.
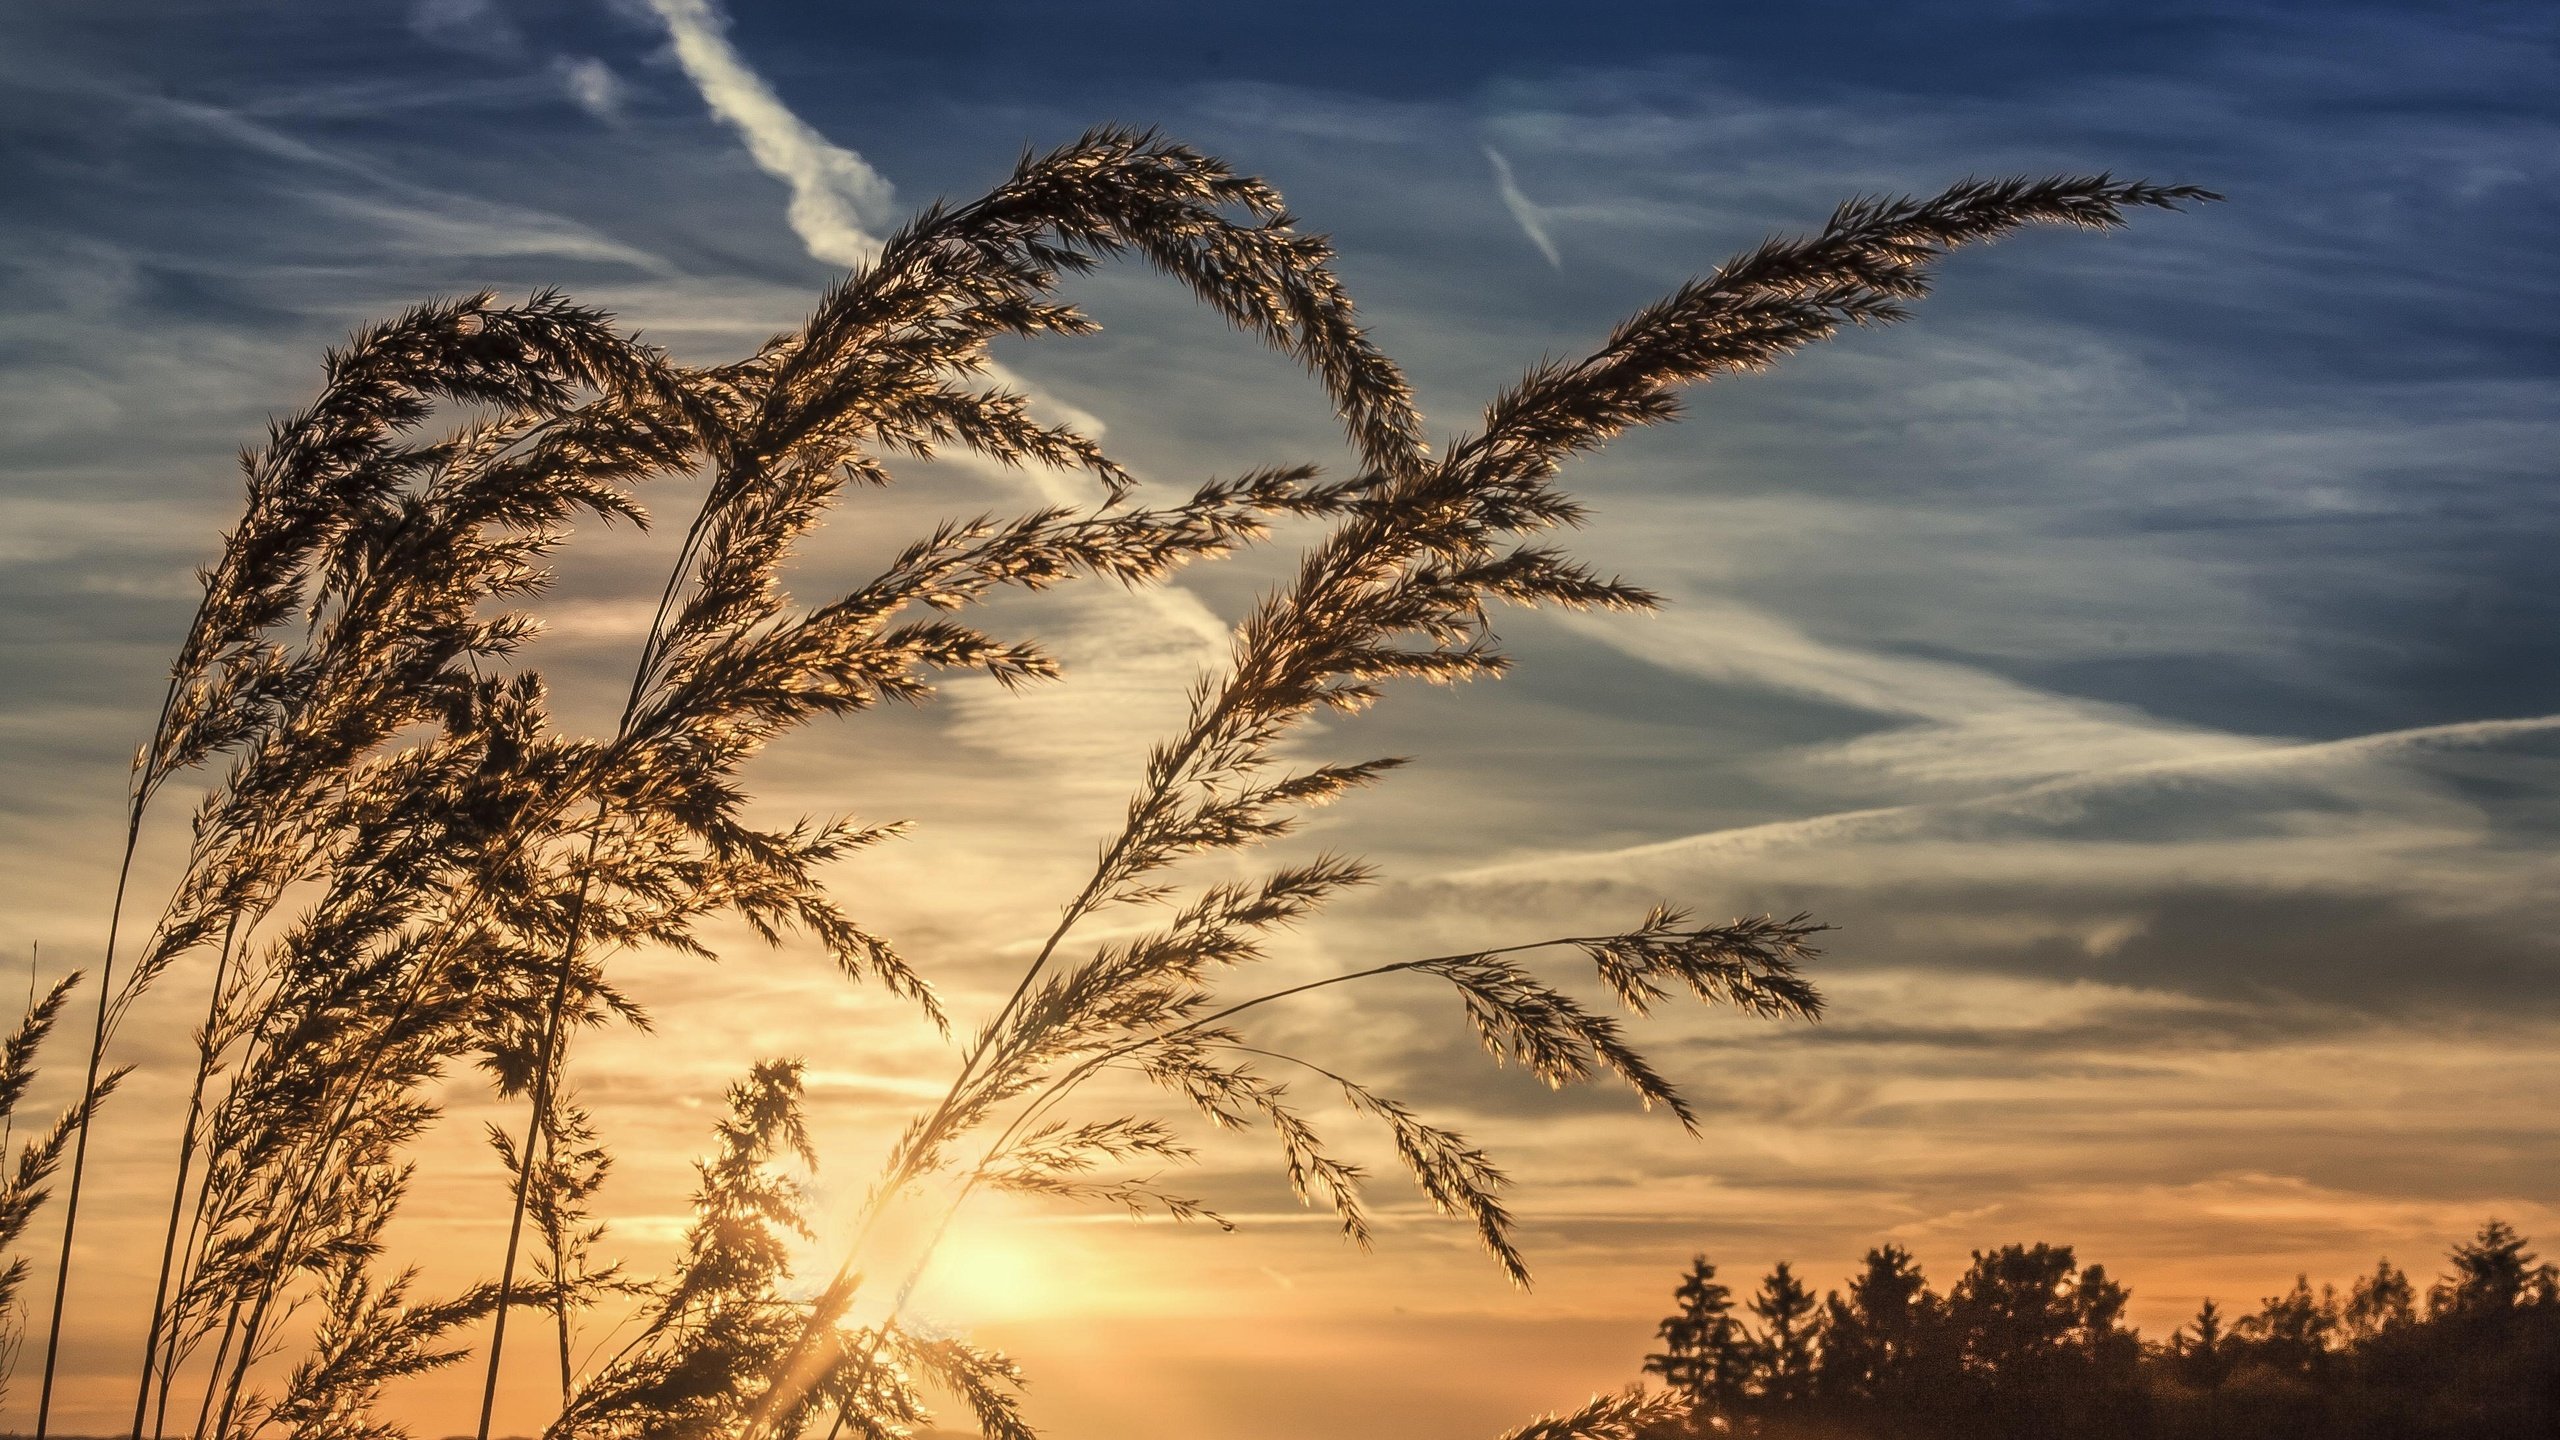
[(1608, 1417)]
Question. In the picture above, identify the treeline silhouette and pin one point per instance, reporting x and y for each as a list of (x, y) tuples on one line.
[(2031, 1343)]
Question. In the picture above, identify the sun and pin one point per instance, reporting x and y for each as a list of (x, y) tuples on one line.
[(994, 1263), (990, 1268)]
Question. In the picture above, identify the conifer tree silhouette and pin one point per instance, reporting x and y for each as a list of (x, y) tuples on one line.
[(2203, 1347), (1785, 1345), (1706, 1354), (2493, 1271)]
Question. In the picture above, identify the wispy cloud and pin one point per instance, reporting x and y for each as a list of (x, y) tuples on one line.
[(431, 220), (593, 85), (1973, 727), (460, 225), (2377, 819), (837, 199), (473, 26), (1533, 220)]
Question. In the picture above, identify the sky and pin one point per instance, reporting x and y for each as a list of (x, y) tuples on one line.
[(2145, 657)]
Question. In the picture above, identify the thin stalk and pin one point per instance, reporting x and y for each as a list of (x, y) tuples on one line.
[(1076, 910), (310, 1168), (310, 1172), (559, 1272), (534, 1128), (547, 1058), (1084, 902), (173, 1355), (88, 1107), (147, 775), (1057, 1092), (178, 1191), (221, 1352)]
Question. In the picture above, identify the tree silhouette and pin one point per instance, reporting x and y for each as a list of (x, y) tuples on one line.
[(2381, 1301), (2204, 1348), (1706, 1354), (1784, 1351), (2013, 1311), (2493, 1272), (1873, 1342), (2101, 1302), (2040, 1340), (2294, 1332), (2031, 1345)]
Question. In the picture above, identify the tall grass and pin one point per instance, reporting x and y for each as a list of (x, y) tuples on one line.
[(407, 868)]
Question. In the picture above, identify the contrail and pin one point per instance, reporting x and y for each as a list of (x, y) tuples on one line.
[(1533, 221), (1887, 819), (833, 190)]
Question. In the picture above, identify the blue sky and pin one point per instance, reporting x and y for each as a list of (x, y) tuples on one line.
[(2147, 655)]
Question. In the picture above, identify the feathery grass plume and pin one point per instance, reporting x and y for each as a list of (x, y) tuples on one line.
[(368, 999), (778, 417), (1400, 590), (570, 1171), (1609, 1417), (720, 1311), (22, 1182), (393, 642), (874, 368), (368, 1336), (318, 475), (676, 890), (408, 869)]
